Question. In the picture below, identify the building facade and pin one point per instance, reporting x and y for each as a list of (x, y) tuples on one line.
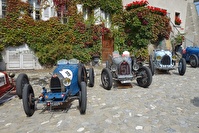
[(185, 10)]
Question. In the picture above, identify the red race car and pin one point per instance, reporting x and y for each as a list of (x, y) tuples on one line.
[(8, 84)]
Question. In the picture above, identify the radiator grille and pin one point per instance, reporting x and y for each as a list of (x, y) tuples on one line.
[(165, 60), (124, 68)]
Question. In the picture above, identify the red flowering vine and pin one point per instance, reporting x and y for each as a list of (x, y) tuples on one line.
[(157, 10), (136, 4)]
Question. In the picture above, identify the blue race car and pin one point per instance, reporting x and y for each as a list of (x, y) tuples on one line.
[(191, 55), (68, 82)]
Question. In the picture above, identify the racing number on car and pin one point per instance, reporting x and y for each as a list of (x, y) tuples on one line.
[(124, 68), (68, 75)]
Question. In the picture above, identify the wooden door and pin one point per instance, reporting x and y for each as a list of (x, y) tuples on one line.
[(107, 47), (20, 60)]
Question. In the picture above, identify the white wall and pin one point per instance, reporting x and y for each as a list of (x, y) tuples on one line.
[(0, 9)]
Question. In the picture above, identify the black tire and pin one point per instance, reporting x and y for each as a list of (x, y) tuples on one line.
[(82, 74), (106, 79), (193, 61), (83, 98), (91, 77), (146, 77), (151, 65), (182, 66), (21, 80), (28, 100)]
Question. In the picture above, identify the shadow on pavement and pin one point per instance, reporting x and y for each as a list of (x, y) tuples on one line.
[(6, 98), (195, 101)]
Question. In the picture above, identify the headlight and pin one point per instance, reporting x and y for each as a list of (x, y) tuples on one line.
[(174, 57), (113, 67), (158, 58), (135, 67), (66, 81)]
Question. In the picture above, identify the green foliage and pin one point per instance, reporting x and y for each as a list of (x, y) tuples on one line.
[(51, 40), (110, 6), (132, 30), (177, 40), (141, 26)]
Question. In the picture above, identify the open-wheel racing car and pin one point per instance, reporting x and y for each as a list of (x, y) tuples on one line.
[(191, 55), (165, 60), (124, 69), (7, 83), (68, 82)]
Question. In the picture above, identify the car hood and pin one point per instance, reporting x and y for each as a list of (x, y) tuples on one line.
[(162, 53)]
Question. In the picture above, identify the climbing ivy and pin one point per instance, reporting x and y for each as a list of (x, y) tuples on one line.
[(51, 40)]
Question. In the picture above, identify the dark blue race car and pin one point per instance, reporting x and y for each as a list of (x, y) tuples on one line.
[(191, 55), (68, 82)]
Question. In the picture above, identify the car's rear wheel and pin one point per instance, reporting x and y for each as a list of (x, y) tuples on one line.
[(151, 65), (182, 66), (28, 100), (193, 60), (83, 98), (106, 79), (21, 80), (91, 77), (146, 77)]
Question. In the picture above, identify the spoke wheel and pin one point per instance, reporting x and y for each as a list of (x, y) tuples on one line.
[(83, 98), (146, 77), (106, 79), (194, 60), (28, 100)]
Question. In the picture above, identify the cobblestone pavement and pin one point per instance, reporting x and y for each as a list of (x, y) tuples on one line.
[(169, 105)]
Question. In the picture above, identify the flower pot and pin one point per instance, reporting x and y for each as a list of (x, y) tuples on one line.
[(95, 60)]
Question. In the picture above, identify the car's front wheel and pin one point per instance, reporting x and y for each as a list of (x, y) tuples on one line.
[(145, 77), (83, 98), (28, 100), (106, 79), (182, 66), (193, 60)]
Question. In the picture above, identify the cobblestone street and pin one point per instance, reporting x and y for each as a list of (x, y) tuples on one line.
[(169, 105)]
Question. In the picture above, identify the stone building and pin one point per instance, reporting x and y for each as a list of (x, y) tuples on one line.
[(23, 58)]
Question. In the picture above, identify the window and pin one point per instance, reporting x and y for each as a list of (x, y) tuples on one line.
[(86, 13), (61, 13), (37, 15), (177, 18), (3, 8)]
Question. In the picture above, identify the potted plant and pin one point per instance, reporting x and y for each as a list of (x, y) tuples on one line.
[(95, 58), (177, 21)]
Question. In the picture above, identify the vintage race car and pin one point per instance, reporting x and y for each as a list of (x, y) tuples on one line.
[(8, 85), (165, 60), (68, 82), (125, 69), (191, 55)]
